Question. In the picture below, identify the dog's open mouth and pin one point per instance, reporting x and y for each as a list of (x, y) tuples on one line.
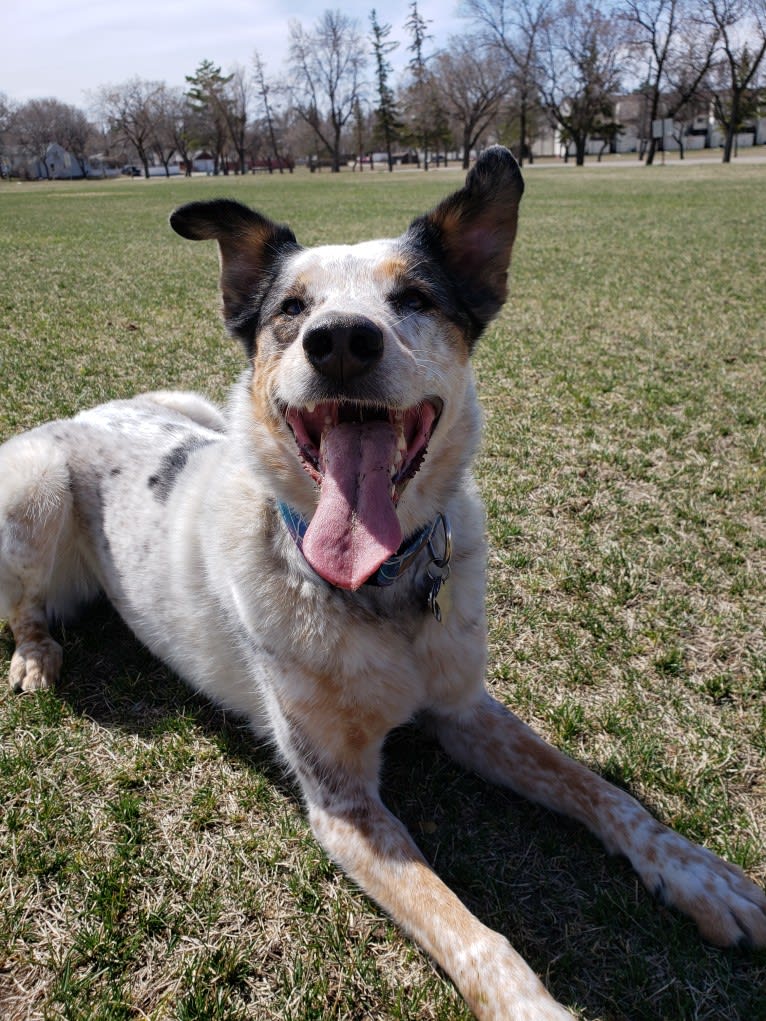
[(361, 458)]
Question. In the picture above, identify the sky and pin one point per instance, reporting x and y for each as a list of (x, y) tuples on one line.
[(68, 48)]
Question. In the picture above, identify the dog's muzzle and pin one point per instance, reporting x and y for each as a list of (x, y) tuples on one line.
[(361, 457)]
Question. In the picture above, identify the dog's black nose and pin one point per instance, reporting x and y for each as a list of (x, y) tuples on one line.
[(342, 348)]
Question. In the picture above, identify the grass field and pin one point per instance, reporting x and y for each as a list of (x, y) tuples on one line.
[(155, 864)]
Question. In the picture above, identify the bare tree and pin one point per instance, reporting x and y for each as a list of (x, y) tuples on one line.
[(688, 92), (41, 122), (741, 27), (686, 114), (326, 65), (162, 108), (129, 111), (264, 89), (674, 49), (473, 85), (581, 52), (35, 130), (515, 29), (236, 100), (74, 132), (185, 128), (8, 111)]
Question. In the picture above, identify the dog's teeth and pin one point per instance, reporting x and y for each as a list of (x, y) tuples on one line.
[(311, 407), (401, 442)]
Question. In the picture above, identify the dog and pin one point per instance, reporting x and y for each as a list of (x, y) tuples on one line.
[(314, 558)]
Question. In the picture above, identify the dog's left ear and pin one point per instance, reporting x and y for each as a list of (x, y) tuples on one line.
[(250, 248), (471, 234)]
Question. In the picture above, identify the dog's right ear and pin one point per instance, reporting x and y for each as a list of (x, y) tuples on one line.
[(250, 248)]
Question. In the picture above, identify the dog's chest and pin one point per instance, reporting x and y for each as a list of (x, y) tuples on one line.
[(377, 655)]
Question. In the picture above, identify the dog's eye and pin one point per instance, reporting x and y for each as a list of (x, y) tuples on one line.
[(293, 307), (412, 300)]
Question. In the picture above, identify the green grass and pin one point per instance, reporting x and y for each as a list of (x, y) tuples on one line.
[(155, 864)]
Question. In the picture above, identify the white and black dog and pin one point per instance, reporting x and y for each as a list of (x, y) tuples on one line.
[(313, 557)]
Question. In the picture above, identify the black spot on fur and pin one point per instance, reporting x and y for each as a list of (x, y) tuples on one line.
[(423, 252), (245, 321), (171, 466)]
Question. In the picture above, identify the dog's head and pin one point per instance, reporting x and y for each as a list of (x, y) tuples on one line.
[(360, 357)]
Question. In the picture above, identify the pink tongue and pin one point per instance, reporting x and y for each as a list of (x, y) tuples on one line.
[(355, 527)]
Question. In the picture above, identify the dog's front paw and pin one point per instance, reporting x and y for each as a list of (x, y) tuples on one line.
[(729, 908), (35, 665)]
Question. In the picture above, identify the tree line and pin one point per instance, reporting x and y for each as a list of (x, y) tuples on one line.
[(521, 66)]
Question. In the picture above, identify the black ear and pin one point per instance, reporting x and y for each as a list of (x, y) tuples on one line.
[(471, 234), (251, 247)]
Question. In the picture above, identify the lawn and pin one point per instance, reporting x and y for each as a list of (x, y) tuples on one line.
[(155, 864)]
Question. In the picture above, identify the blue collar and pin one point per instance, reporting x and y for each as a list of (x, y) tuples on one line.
[(390, 569)]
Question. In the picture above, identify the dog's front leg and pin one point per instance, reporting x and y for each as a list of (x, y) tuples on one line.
[(374, 848), (725, 904)]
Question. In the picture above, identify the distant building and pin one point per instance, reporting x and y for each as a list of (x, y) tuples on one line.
[(695, 128), (58, 165)]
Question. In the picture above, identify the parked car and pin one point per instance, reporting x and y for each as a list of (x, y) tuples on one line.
[(131, 171)]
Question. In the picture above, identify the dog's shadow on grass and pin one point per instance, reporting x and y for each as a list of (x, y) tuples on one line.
[(112, 679), (580, 918)]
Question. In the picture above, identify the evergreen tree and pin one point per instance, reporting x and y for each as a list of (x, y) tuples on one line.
[(417, 26), (385, 113), (206, 92)]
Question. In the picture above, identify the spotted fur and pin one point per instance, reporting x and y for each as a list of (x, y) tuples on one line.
[(171, 508)]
